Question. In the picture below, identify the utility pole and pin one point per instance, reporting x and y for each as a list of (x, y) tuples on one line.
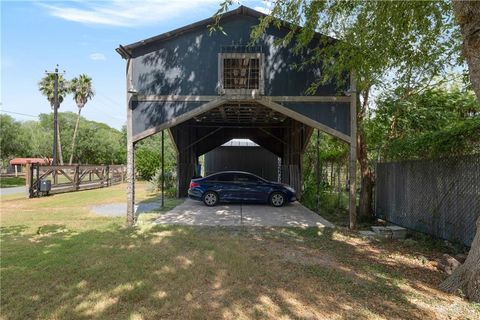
[(55, 114), (55, 118)]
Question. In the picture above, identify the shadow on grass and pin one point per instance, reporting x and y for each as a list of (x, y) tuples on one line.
[(150, 209), (9, 231), (202, 272)]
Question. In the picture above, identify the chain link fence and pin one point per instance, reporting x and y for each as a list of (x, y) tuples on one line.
[(440, 197)]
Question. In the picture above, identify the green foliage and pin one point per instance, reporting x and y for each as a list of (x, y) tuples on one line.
[(147, 161), (40, 139), (8, 182), (331, 198), (47, 88), (148, 156), (82, 89), (405, 42), (434, 123), (13, 141), (169, 184), (97, 142)]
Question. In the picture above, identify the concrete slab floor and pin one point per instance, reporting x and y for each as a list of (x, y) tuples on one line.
[(192, 212)]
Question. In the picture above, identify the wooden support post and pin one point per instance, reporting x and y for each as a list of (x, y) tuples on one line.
[(130, 151), (76, 177), (163, 168), (317, 170), (28, 180), (107, 175), (353, 152), (37, 183)]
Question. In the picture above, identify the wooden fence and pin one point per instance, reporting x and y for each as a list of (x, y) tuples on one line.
[(73, 178)]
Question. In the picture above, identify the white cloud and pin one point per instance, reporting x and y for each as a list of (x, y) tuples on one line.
[(265, 8), (97, 56), (127, 13)]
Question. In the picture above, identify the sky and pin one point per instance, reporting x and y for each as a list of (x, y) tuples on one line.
[(81, 37)]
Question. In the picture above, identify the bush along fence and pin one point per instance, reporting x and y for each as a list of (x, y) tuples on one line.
[(440, 197), (46, 179)]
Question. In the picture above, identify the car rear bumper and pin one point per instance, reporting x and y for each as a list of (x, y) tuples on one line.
[(195, 194)]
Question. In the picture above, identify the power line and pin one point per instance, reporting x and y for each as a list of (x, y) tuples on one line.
[(111, 102), (108, 98), (22, 114)]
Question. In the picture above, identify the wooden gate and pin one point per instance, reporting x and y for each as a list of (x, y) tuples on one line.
[(73, 178)]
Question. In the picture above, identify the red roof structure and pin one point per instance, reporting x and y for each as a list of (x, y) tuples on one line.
[(24, 161)]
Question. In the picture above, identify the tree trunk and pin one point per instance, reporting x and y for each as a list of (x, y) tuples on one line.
[(366, 175), (468, 17), (59, 146), (75, 136), (466, 278), (365, 206)]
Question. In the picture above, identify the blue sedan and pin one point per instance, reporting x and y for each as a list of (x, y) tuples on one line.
[(237, 186)]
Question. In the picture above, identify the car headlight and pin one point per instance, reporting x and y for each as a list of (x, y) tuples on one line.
[(290, 189)]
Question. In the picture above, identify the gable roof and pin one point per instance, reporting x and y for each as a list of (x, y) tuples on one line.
[(125, 51)]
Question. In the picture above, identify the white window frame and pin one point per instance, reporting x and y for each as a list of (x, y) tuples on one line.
[(261, 76)]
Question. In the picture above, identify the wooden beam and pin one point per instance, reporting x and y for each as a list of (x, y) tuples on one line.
[(238, 126), (240, 97), (308, 135), (130, 151), (181, 118), (310, 98), (272, 135), (170, 98), (304, 119), (202, 138), (353, 152), (172, 140)]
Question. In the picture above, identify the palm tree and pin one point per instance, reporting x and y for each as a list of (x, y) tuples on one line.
[(47, 88), (82, 90)]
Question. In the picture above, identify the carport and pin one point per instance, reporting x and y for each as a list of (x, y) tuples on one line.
[(205, 90)]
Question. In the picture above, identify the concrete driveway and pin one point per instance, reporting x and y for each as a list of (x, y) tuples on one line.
[(193, 212), (14, 190)]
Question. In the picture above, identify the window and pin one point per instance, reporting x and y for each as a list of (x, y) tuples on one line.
[(224, 177), (240, 177), (241, 73)]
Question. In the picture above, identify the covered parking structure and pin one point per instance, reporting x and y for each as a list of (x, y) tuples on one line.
[(206, 89)]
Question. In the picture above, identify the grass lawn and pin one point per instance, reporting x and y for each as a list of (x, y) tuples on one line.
[(59, 261), (8, 182)]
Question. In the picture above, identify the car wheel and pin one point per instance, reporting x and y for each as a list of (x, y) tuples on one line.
[(277, 199), (210, 198)]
